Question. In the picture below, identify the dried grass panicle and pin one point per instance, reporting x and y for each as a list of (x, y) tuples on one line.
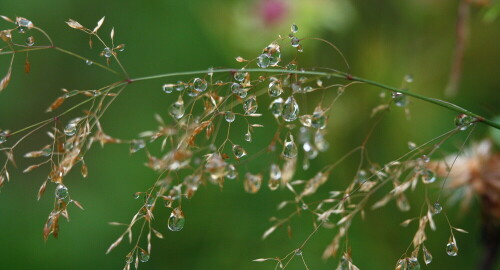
[(199, 145)]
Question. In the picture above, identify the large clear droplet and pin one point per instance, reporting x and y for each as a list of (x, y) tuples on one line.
[(400, 99), (236, 88), (232, 173), (264, 60), (239, 151), (107, 52), (427, 255), (275, 89), (136, 145), (240, 75), (295, 42), (464, 121), (143, 256), (61, 192), (250, 105), (177, 109), (290, 109), (199, 85), (413, 263), (451, 248), (273, 50), (290, 149), (437, 208), (168, 88), (252, 182), (318, 119), (176, 220), (276, 107), (229, 116), (70, 129), (294, 28), (427, 176)]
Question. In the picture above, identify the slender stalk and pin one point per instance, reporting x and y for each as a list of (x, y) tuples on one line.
[(341, 75)]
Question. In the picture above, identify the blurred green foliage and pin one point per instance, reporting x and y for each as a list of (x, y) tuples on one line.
[(383, 41)]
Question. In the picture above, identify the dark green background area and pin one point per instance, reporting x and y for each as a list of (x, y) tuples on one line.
[(382, 40)]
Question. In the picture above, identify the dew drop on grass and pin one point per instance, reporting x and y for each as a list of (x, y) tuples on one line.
[(427, 255), (176, 220), (23, 24), (264, 60), (400, 99), (275, 89), (408, 78), (412, 145), (413, 264), (252, 182), (3, 138), (61, 192), (276, 107), (177, 109), (294, 28), (46, 152), (107, 52), (290, 109), (229, 116), (88, 62), (401, 264), (464, 121), (290, 149), (240, 75), (248, 136), (274, 177), (250, 105), (143, 256), (318, 119), (70, 129), (168, 88), (236, 88), (136, 145), (232, 173), (298, 252), (30, 41), (291, 66), (451, 248), (239, 151), (180, 86), (437, 208), (427, 176), (199, 85), (295, 42)]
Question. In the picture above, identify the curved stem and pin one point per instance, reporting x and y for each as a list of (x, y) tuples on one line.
[(341, 75)]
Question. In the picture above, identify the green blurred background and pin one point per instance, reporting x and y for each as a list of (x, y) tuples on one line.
[(383, 41)]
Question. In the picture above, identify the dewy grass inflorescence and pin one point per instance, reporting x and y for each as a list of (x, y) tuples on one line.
[(200, 141)]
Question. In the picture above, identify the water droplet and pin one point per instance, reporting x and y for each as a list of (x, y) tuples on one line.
[(295, 42), (464, 121), (294, 28), (240, 75), (437, 208), (168, 88), (252, 182), (149, 201), (291, 66), (229, 116), (400, 99), (408, 78), (290, 109), (143, 256), (451, 248), (23, 25), (136, 145), (413, 263), (180, 86), (427, 255), (107, 52), (320, 142), (177, 109), (275, 89), (46, 152), (61, 192), (248, 136), (362, 176), (237, 89), (137, 195), (129, 259), (3, 138), (307, 89), (290, 148), (304, 206), (276, 107), (70, 129), (30, 41), (427, 176), (274, 177), (274, 54), (199, 85), (250, 105), (264, 60), (300, 48), (232, 173), (401, 264), (88, 62), (238, 151), (305, 120), (311, 152), (298, 252), (297, 88), (176, 220), (412, 145), (318, 119)]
